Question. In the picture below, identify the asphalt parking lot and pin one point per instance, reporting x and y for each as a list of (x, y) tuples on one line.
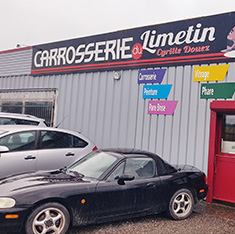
[(206, 219)]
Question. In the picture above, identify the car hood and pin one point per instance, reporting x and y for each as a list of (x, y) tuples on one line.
[(36, 180)]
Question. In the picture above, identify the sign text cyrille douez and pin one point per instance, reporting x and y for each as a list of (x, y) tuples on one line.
[(189, 42)]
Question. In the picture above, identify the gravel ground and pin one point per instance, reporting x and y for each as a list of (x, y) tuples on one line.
[(206, 219)]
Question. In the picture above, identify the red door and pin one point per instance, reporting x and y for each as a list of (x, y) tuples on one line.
[(224, 179), (221, 163)]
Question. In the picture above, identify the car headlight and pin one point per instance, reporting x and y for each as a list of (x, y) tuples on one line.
[(7, 202)]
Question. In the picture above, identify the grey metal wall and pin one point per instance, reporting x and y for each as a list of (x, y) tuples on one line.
[(17, 62), (113, 113)]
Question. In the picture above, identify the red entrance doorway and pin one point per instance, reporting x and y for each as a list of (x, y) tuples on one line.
[(221, 163)]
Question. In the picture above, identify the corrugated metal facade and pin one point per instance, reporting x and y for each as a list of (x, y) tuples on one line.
[(113, 113), (16, 62)]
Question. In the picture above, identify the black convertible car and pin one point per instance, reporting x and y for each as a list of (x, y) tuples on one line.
[(103, 186)]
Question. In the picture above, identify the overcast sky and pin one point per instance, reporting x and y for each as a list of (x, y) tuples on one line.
[(32, 22)]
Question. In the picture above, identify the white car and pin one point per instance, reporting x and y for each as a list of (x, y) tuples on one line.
[(22, 119), (25, 148)]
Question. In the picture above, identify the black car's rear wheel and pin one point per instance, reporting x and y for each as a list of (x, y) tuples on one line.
[(181, 204), (49, 218)]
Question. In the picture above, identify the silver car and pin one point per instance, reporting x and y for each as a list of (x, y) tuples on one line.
[(14, 118), (29, 148)]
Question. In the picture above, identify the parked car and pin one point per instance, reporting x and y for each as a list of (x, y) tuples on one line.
[(22, 119), (104, 185), (29, 148)]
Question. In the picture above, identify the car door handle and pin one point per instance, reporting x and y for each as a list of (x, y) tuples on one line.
[(30, 157), (150, 185), (69, 154)]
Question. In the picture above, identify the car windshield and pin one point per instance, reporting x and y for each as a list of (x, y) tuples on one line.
[(94, 164)]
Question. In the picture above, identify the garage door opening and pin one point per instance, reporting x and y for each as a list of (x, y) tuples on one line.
[(40, 103)]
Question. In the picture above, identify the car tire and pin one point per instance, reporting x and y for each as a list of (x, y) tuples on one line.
[(46, 217), (181, 204)]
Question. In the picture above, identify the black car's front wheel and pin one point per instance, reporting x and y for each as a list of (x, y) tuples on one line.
[(181, 204), (49, 218)]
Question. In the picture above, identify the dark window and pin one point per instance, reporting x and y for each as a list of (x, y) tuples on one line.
[(7, 121), (42, 110), (228, 134), (12, 121), (52, 140), (12, 107), (140, 167), (19, 141), (27, 122), (79, 143), (117, 172)]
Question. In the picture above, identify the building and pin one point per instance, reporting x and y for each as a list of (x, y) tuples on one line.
[(166, 88)]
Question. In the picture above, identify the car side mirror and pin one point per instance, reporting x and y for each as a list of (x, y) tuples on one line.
[(3, 149), (125, 177)]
